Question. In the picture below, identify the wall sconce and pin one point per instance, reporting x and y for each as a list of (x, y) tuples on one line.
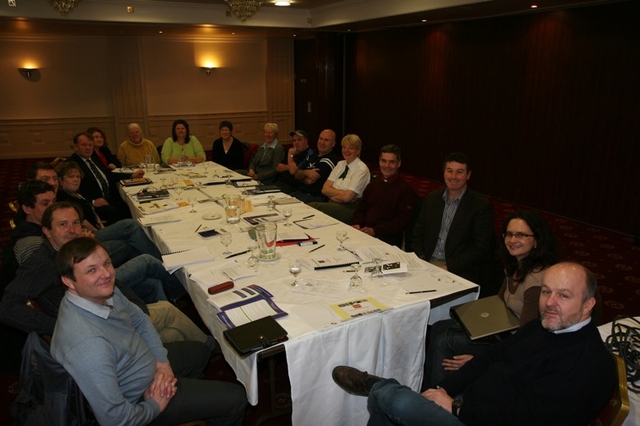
[(207, 70), (29, 73)]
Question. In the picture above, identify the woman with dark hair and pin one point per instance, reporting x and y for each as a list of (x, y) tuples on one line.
[(182, 146), (529, 249), (101, 148), (227, 150)]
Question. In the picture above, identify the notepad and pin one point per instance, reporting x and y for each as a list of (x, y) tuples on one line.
[(175, 261), (157, 219)]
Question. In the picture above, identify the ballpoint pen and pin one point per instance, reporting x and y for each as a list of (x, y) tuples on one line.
[(237, 254), (308, 217), (421, 291), (317, 248), (198, 228)]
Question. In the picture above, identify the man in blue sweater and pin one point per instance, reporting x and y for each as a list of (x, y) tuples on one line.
[(114, 354), (555, 371)]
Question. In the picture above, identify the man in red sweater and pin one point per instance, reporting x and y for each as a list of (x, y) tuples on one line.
[(388, 201)]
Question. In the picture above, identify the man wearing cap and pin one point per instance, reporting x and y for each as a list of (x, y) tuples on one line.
[(315, 173), (297, 158)]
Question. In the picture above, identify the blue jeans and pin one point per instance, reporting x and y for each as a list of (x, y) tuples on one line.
[(148, 278), (132, 234), (390, 403)]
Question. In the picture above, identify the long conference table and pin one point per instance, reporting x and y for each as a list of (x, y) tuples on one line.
[(387, 343)]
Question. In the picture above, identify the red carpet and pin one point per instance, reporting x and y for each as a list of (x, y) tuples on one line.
[(612, 256)]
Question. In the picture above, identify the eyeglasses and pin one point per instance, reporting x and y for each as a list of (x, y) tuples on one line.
[(516, 235)]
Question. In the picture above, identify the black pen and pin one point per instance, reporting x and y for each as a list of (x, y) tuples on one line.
[(421, 291), (308, 217), (198, 228), (317, 248), (237, 254)]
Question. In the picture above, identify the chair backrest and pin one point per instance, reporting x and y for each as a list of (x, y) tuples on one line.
[(47, 393), (614, 413)]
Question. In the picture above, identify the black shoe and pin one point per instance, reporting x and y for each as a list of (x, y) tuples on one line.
[(354, 381)]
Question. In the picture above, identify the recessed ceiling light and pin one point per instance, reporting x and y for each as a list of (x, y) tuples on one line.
[(534, 6), (424, 20), (282, 3)]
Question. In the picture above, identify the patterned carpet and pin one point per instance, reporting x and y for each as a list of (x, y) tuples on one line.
[(612, 256)]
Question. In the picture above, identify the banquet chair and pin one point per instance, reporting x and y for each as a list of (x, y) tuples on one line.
[(614, 413), (14, 206)]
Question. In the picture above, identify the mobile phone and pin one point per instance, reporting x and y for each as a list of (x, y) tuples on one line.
[(208, 233)]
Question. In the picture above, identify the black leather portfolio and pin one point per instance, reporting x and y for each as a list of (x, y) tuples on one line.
[(256, 335)]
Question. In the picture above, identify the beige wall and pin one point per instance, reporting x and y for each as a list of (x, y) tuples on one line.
[(111, 81)]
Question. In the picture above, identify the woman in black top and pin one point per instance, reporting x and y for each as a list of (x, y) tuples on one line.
[(227, 150)]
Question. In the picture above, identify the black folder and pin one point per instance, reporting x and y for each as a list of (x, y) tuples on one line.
[(256, 335)]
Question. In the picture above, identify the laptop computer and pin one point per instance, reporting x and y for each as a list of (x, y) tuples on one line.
[(485, 317)]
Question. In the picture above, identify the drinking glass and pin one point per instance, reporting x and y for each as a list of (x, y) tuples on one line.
[(376, 274), (342, 237), (225, 239), (163, 180), (287, 212), (356, 280), (206, 167), (294, 269), (179, 190), (192, 201), (271, 204), (253, 261)]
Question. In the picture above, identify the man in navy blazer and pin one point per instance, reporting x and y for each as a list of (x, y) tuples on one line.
[(99, 184), (455, 227)]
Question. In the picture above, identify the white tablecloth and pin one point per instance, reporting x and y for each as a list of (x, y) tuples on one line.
[(389, 343)]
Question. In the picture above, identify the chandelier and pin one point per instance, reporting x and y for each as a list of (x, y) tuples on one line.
[(64, 6), (242, 9)]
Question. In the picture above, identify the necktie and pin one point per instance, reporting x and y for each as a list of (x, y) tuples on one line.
[(101, 180), (344, 174)]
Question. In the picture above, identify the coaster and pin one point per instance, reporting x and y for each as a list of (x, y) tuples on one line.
[(211, 216)]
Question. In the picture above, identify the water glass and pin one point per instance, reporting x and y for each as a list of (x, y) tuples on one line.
[(342, 237), (294, 269), (287, 212), (226, 239)]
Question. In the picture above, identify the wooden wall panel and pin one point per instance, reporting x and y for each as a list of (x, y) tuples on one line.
[(546, 104)]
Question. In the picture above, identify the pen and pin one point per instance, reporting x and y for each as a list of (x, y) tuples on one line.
[(237, 254), (421, 291), (199, 226), (308, 217), (317, 248), (307, 243)]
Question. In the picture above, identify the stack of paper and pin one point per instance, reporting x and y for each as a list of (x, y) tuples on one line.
[(155, 220), (174, 261)]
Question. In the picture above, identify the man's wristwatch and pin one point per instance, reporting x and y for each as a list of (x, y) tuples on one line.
[(455, 407)]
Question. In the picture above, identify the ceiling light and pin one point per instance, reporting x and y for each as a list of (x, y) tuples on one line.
[(283, 3), (64, 6), (243, 9)]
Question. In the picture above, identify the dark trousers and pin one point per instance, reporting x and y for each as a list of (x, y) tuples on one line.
[(218, 403)]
